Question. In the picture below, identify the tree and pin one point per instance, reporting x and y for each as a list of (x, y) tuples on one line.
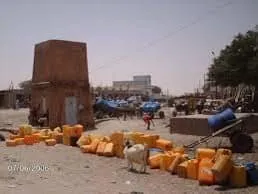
[(171, 101), (26, 86), (156, 90), (105, 88), (98, 89), (237, 63)]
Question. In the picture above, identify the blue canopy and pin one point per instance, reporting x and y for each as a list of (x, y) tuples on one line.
[(122, 103), (108, 105), (151, 106)]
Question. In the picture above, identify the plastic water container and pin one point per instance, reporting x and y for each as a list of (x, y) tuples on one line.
[(205, 175), (154, 151), (222, 168), (252, 173), (192, 169), (221, 119), (202, 153), (237, 176)]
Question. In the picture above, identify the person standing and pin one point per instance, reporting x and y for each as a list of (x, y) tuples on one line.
[(147, 118), (173, 111), (17, 104)]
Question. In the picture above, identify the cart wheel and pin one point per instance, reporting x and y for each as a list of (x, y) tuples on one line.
[(242, 143), (161, 115), (233, 137)]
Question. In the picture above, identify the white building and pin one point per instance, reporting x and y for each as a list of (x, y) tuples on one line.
[(141, 83)]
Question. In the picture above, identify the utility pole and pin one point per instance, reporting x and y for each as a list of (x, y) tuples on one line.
[(204, 78), (200, 88), (11, 96), (128, 91), (167, 96), (216, 89), (204, 82)]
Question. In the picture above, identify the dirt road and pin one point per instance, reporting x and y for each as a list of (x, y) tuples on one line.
[(63, 169)]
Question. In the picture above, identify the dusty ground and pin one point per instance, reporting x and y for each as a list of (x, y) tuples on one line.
[(67, 170)]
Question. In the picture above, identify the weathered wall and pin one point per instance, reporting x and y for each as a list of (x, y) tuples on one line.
[(57, 104), (198, 125), (190, 126), (8, 98), (58, 60)]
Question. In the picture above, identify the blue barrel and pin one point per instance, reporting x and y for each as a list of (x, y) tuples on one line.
[(221, 119), (252, 173)]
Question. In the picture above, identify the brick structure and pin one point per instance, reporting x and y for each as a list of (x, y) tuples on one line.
[(60, 82)]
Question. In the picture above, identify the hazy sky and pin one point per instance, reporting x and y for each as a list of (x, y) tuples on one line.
[(117, 32)]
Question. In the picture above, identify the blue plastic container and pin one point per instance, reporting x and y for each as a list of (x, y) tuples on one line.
[(252, 173), (221, 119)]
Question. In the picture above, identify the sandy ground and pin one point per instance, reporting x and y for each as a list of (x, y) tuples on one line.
[(64, 169)]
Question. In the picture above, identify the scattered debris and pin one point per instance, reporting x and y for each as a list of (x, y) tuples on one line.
[(240, 158), (128, 182), (11, 186)]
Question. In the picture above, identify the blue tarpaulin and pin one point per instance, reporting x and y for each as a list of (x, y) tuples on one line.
[(107, 105), (151, 106)]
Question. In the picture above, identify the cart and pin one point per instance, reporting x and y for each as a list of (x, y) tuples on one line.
[(237, 133), (112, 108)]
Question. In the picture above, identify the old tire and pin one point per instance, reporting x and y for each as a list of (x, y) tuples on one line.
[(242, 143), (233, 136), (2, 138)]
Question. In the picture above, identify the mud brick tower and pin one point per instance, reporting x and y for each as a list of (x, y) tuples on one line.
[(60, 82)]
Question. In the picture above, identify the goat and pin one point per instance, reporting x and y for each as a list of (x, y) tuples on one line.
[(136, 153)]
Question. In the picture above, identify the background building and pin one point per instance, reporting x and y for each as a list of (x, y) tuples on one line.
[(141, 84), (8, 98)]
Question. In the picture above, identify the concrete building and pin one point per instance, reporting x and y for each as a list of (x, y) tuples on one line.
[(140, 84), (60, 83), (8, 98), (142, 79)]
